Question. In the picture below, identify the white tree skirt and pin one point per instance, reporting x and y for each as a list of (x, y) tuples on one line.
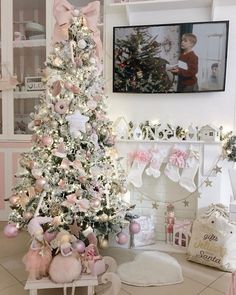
[(151, 268)]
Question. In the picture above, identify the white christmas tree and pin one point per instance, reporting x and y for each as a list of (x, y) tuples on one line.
[(69, 178)]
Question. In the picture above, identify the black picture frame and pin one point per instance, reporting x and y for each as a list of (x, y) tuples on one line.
[(145, 57)]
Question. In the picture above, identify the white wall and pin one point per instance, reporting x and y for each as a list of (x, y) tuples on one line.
[(217, 108)]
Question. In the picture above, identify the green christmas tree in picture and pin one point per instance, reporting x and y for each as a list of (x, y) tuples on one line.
[(137, 64), (71, 178)]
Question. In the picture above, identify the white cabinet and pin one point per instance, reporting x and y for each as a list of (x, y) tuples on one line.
[(24, 31)]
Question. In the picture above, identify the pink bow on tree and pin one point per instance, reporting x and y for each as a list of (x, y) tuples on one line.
[(63, 12)]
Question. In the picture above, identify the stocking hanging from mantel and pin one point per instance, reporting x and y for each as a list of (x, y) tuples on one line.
[(181, 163)]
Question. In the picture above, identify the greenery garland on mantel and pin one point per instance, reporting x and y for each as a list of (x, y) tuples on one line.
[(157, 132)]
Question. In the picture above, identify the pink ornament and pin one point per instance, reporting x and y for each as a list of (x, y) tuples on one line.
[(37, 122), (78, 246), (28, 215), (95, 203), (121, 238), (68, 85), (92, 104), (49, 236), (40, 182), (61, 107), (10, 230), (75, 89), (47, 140), (78, 62), (14, 200), (134, 227)]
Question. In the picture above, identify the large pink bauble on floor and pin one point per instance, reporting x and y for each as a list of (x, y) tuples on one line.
[(134, 227), (122, 238), (10, 230), (79, 246)]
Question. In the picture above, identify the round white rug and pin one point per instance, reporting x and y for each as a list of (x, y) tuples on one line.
[(151, 268)]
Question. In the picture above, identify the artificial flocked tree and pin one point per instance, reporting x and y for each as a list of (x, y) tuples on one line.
[(138, 65), (70, 176)]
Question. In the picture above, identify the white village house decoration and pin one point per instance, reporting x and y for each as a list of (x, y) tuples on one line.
[(209, 133)]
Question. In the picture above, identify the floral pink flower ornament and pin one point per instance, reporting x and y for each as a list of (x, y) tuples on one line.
[(61, 107)]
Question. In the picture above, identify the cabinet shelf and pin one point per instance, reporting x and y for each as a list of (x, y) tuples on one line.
[(29, 43), (27, 94), (149, 5)]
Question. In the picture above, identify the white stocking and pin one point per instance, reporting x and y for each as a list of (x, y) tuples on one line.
[(189, 172), (141, 159), (177, 160), (155, 163)]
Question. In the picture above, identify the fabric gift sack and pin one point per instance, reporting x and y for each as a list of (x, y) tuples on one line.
[(146, 236), (213, 239)]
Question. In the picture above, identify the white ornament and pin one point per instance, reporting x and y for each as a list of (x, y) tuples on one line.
[(137, 133), (121, 128), (76, 12), (94, 140), (192, 133), (82, 44), (77, 123), (92, 60)]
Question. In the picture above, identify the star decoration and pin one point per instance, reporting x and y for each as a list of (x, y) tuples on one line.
[(217, 169), (77, 123), (186, 203), (75, 229), (208, 182), (155, 205)]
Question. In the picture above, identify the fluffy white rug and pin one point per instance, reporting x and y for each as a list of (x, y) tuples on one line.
[(151, 268)]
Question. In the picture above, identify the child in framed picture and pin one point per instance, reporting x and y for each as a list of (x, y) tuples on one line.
[(187, 67)]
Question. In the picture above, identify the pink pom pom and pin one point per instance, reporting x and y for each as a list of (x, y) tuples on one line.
[(10, 230), (121, 238), (134, 227), (78, 246)]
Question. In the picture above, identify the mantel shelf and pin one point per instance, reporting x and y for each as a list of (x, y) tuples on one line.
[(127, 141)]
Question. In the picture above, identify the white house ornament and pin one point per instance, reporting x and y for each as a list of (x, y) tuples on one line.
[(209, 133), (77, 123), (121, 128)]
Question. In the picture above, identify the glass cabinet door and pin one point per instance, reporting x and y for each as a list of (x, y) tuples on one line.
[(29, 56)]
